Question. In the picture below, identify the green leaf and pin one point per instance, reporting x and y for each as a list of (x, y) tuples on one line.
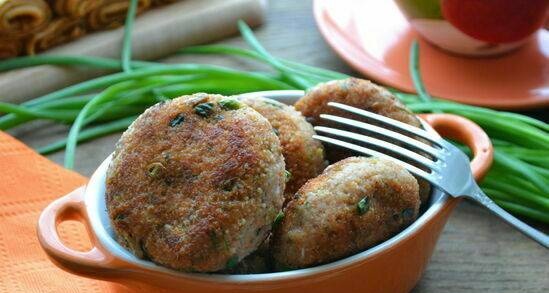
[(363, 206)]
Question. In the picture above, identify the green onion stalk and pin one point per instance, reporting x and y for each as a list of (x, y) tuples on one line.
[(518, 179)]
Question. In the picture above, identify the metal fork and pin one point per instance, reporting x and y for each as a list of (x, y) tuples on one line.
[(448, 167)]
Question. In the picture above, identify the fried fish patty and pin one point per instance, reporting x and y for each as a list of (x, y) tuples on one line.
[(195, 183), (353, 205), (361, 94), (304, 156)]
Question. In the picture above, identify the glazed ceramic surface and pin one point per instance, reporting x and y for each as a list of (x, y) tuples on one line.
[(475, 27), (392, 266), (374, 37)]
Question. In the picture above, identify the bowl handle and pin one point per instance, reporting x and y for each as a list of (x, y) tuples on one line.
[(469, 133), (71, 207)]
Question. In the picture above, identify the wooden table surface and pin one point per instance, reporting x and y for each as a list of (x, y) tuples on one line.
[(476, 252)]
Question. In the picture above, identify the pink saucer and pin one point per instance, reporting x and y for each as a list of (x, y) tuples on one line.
[(374, 38)]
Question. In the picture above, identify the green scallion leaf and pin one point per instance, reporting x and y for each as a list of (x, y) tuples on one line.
[(155, 170), (287, 174), (415, 72), (232, 262), (127, 41), (177, 120), (230, 104), (363, 206), (278, 219), (204, 109)]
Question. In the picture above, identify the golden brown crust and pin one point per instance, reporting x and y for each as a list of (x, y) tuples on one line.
[(325, 223), (304, 156), (193, 186), (358, 93), (354, 92)]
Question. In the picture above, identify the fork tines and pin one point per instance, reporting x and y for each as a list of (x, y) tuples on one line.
[(433, 154)]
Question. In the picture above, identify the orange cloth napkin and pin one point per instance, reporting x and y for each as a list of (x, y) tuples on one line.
[(29, 182)]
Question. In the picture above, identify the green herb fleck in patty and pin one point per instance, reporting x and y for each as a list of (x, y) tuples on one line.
[(287, 175), (232, 262), (177, 120), (279, 217), (204, 109), (363, 206), (408, 214), (230, 104), (120, 217), (155, 169)]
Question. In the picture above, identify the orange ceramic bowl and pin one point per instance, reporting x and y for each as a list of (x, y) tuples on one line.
[(392, 266)]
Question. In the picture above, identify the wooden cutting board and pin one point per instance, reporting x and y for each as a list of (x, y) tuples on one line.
[(157, 33)]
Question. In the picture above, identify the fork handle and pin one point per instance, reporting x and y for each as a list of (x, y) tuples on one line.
[(466, 131), (479, 196)]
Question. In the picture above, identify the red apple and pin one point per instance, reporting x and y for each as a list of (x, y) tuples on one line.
[(496, 21)]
